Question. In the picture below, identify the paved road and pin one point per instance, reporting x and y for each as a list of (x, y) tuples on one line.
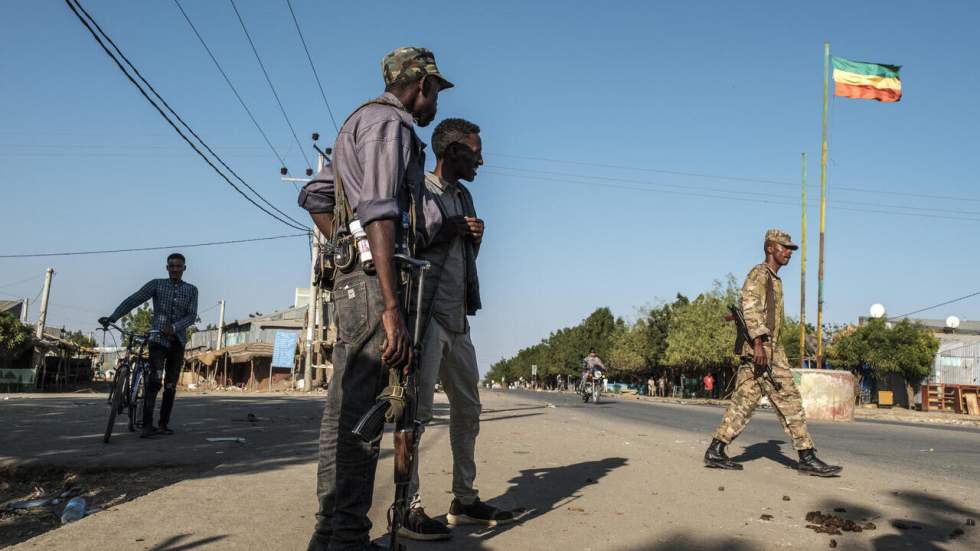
[(617, 476), (945, 452)]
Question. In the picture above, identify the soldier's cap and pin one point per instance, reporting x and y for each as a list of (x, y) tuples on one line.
[(781, 237), (411, 63)]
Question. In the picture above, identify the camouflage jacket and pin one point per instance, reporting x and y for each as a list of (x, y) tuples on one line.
[(762, 304)]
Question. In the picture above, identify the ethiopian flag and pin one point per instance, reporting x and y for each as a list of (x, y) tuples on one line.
[(862, 80)]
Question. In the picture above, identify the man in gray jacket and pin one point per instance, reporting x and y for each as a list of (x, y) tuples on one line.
[(447, 351)]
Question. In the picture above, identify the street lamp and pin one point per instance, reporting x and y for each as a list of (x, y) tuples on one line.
[(877, 310)]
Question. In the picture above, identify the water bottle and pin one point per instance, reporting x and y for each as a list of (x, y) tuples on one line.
[(363, 246), (74, 510)]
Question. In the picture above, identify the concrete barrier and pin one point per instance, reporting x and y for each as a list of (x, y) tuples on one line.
[(828, 394)]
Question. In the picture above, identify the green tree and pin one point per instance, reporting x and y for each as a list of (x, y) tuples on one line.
[(699, 338), (789, 337), (138, 321), (15, 338), (77, 337), (906, 348)]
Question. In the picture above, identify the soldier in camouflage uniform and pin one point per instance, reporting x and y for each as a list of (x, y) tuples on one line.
[(762, 307)]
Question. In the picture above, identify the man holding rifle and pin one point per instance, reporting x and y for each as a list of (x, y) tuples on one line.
[(376, 185), (765, 369)]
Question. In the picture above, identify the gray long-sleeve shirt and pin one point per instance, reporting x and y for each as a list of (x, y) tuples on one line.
[(380, 160)]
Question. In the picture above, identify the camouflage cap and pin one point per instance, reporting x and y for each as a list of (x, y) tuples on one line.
[(411, 62), (781, 237)]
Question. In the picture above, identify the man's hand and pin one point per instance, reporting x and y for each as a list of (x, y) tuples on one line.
[(457, 226), (759, 358), (474, 227), (398, 347)]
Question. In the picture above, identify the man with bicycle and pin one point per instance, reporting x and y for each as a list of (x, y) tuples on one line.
[(174, 310)]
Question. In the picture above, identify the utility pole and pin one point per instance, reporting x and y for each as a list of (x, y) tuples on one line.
[(221, 324), (313, 314), (39, 330)]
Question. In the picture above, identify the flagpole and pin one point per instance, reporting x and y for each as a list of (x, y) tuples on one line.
[(823, 205), (803, 264)]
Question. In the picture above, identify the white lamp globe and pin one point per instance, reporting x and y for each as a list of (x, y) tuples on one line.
[(877, 310)]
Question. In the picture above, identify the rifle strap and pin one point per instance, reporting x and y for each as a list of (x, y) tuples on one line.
[(770, 308), (394, 394)]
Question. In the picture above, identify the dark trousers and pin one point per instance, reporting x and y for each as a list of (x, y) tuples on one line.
[(345, 474), (170, 361)]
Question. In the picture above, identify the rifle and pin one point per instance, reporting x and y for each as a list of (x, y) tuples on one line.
[(398, 404), (743, 337)]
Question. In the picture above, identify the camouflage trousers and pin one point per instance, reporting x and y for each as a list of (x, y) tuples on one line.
[(750, 386)]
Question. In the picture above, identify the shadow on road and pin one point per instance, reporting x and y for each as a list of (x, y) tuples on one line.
[(537, 491), (677, 542), (766, 450), (174, 543)]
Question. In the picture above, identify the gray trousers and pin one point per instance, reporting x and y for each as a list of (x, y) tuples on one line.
[(345, 474), (451, 358)]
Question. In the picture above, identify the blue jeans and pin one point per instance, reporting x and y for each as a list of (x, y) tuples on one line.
[(345, 474)]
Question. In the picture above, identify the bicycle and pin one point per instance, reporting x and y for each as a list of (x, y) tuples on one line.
[(128, 389)]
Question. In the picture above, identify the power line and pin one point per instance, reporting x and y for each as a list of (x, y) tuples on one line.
[(230, 85), (75, 6), (738, 178), (717, 190), (312, 66), (716, 196), (964, 297), (18, 282), (159, 248), (271, 86)]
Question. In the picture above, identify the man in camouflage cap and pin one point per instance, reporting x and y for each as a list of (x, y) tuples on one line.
[(411, 63), (762, 307), (379, 165)]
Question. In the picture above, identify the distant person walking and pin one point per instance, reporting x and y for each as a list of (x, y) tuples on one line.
[(709, 386)]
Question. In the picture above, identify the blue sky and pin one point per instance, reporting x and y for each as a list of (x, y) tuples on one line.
[(726, 89)]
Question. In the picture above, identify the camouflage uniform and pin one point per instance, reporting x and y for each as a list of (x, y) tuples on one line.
[(765, 319)]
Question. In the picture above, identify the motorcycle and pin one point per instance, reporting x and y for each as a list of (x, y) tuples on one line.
[(592, 387)]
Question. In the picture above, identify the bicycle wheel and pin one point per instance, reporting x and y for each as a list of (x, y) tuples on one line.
[(137, 399), (115, 400)]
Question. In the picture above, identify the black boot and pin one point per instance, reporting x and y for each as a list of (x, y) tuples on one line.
[(716, 457), (811, 465)]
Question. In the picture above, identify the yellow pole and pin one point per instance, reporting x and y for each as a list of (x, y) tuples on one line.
[(803, 264), (823, 204)]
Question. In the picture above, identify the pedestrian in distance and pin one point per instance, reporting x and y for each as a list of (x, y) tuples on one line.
[(174, 310), (762, 308), (709, 385), (375, 185)]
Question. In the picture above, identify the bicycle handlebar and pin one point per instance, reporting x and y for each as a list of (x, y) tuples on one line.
[(126, 333)]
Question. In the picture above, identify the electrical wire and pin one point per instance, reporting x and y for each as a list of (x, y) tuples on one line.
[(18, 282), (964, 297), (230, 85), (738, 178), (782, 199), (75, 6), (738, 192), (140, 249), (323, 94), (271, 86)]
